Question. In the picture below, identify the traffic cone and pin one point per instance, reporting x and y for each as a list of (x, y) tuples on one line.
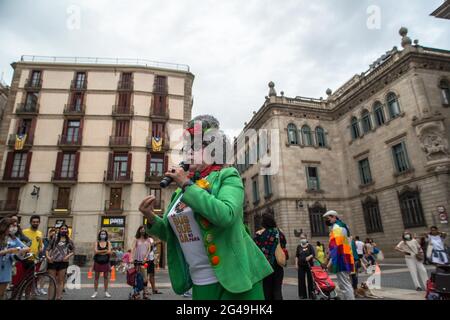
[(113, 274), (90, 273)]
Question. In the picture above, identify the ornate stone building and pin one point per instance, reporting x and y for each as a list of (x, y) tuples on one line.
[(443, 11), (88, 139), (376, 150)]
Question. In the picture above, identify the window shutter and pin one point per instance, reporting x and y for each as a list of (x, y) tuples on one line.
[(110, 162), (147, 164), (32, 129), (130, 155), (166, 164), (9, 165), (58, 167), (28, 164), (77, 162), (80, 134)]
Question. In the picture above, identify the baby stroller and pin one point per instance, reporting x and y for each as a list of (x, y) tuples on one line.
[(324, 287), (438, 286), (136, 281)]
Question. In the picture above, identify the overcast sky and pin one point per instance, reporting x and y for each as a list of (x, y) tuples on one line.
[(233, 47)]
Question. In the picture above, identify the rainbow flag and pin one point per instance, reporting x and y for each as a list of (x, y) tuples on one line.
[(340, 248)]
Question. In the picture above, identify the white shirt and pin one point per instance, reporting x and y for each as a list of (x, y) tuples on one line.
[(187, 230), (359, 247), (151, 255)]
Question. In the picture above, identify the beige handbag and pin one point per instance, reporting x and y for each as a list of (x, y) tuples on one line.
[(280, 256)]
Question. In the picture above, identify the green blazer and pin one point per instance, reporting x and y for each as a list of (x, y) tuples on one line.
[(236, 260)]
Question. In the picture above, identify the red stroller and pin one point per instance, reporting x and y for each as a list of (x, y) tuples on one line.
[(324, 287)]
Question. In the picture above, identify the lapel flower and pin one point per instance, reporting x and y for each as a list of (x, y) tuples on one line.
[(203, 183)]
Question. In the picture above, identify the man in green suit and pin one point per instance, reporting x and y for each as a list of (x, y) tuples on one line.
[(208, 247)]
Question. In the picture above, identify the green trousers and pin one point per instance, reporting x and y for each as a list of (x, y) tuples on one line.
[(215, 291)]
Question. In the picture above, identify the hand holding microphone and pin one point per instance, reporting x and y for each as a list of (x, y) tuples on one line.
[(176, 173)]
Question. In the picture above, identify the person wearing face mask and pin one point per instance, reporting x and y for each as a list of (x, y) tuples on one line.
[(414, 260), (140, 252), (102, 256), (341, 260), (10, 245), (19, 234), (58, 253), (304, 259)]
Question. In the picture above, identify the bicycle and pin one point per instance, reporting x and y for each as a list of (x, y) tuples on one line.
[(35, 285)]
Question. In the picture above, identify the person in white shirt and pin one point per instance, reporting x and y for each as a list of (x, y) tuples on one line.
[(151, 266), (360, 251), (438, 254), (413, 257)]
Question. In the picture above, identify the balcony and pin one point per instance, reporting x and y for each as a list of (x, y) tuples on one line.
[(69, 142), (27, 109), (165, 146), (113, 208), (18, 180), (8, 207), (28, 141), (61, 208), (65, 178), (78, 85), (74, 110), (122, 111), (119, 178), (125, 85), (33, 84), (160, 88), (158, 114), (120, 143), (153, 178)]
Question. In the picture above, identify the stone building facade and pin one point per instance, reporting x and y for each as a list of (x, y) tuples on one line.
[(88, 139), (375, 150)]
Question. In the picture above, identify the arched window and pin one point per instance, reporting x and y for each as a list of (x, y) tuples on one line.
[(366, 122), (292, 133), (306, 135), (393, 106), (320, 136), (445, 92), (355, 128), (378, 111)]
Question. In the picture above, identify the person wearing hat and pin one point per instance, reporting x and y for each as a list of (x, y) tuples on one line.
[(341, 259), (208, 247)]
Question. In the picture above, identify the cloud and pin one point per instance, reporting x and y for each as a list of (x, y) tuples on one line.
[(233, 47)]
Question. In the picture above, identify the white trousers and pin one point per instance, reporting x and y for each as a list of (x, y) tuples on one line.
[(417, 270), (345, 285)]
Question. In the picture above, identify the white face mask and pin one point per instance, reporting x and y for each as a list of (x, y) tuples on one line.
[(407, 237), (303, 241), (103, 236), (13, 231)]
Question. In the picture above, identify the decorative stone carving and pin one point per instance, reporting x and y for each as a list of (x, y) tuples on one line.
[(431, 134), (434, 144), (272, 92)]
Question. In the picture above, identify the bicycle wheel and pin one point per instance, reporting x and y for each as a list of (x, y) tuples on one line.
[(41, 286)]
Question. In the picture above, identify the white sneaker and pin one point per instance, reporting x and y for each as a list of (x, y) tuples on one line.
[(107, 294), (94, 295)]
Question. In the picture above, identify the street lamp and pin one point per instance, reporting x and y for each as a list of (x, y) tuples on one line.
[(35, 192)]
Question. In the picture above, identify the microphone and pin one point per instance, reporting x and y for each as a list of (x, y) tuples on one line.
[(168, 180)]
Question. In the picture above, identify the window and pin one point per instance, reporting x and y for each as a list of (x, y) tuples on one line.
[(31, 101), (320, 136), (411, 208), (68, 165), (126, 82), (80, 80), (312, 175), (120, 166), (255, 190), (372, 217), (156, 165), (77, 101), (122, 128), (306, 135), (35, 78), (393, 106), (364, 171), (379, 113), (366, 122), (401, 161), (355, 128), (157, 194), (24, 127), (124, 100), (267, 186), (158, 130), (73, 131), (445, 92), (292, 134), (318, 226), (160, 105), (19, 165), (160, 84)]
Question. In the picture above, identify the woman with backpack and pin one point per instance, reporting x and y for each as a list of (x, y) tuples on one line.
[(102, 256), (267, 239), (58, 253), (304, 259)]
